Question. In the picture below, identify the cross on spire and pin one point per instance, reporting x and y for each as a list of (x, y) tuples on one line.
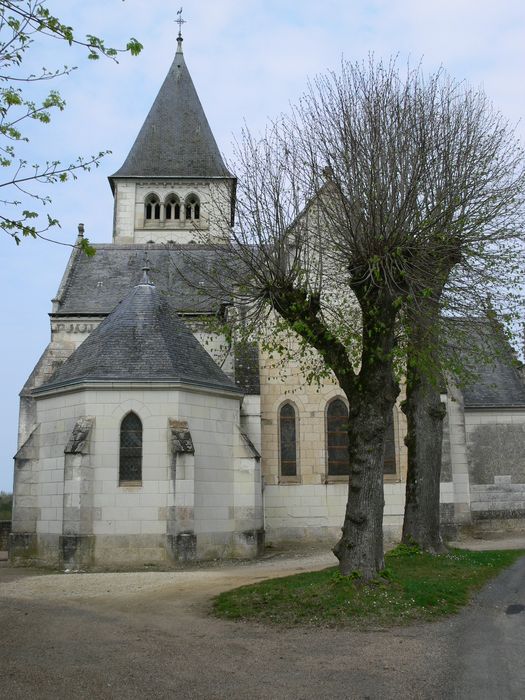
[(180, 22), (145, 269)]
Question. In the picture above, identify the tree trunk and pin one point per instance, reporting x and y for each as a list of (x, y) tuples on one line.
[(360, 548), (371, 400), (425, 413), (371, 395)]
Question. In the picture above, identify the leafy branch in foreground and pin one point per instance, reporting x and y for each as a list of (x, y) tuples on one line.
[(21, 22)]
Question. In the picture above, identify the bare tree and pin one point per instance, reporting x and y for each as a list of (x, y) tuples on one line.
[(374, 188), (477, 180)]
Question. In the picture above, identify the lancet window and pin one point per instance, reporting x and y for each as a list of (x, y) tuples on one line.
[(337, 441), (337, 438), (152, 208), (193, 207), (130, 462), (172, 207), (389, 464), (288, 440)]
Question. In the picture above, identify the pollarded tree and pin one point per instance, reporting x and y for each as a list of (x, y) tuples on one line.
[(477, 176), (363, 196), (21, 21)]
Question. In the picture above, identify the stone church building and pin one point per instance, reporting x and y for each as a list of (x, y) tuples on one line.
[(146, 439)]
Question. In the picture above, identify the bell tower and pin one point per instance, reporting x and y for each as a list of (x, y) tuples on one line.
[(173, 186)]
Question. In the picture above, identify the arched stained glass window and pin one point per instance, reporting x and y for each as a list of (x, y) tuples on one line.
[(130, 463), (287, 440), (337, 438)]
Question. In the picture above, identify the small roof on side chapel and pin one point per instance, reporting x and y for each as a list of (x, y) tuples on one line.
[(176, 139), (497, 379), (142, 339)]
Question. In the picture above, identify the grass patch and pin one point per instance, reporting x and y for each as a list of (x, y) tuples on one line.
[(416, 587)]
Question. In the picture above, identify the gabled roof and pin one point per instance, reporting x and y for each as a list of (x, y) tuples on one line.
[(499, 383), (95, 285), (176, 139), (496, 377), (143, 339)]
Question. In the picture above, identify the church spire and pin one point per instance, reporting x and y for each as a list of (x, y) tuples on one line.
[(175, 140)]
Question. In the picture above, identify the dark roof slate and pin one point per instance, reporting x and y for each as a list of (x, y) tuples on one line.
[(175, 139), (95, 285), (496, 375), (143, 339), (497, 385)]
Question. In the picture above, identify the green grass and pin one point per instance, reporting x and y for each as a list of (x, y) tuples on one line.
[(415, 587)]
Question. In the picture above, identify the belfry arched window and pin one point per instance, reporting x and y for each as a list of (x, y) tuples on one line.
[(193, 207), (287, 440), (337, 438), (152, 208), (172, 207), (130, 460)]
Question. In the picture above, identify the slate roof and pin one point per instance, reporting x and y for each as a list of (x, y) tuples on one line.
[(176, 139), (143, 339), (497, 380), (95, 285)]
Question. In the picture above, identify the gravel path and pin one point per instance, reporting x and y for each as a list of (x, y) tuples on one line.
[(137, 636), (205, 581)]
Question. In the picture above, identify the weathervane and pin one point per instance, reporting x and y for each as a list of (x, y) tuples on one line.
[(180, 22)]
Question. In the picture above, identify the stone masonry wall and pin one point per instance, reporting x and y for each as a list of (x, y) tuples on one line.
[(496, 455), (5, 529), (130, 522), (316, 512), (496, 448), (287, 383), (499, 505), (130, 225)]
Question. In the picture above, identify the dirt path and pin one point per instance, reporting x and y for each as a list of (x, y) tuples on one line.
[(201, 583), (149, 635)]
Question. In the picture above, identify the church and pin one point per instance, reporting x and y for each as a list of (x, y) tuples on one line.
[(147, 439)]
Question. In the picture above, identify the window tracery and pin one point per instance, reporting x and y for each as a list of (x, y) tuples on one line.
[(152, 208), (193, 208), (172, 207)]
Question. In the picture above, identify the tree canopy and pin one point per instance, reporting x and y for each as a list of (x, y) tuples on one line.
[(383, 191)]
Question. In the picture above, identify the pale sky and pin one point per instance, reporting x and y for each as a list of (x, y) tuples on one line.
[(248, 60)]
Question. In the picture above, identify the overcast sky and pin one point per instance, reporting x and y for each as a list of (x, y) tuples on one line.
[(248, 60)]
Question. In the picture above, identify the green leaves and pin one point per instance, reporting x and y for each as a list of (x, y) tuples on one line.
[(20, 21), (134, 46), (39, 18), (11, 97), (86, 247)]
